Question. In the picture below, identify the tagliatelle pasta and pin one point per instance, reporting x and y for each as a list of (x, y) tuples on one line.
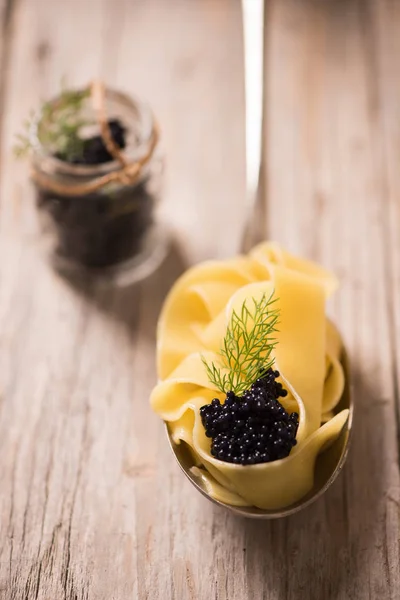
[(191, 327)]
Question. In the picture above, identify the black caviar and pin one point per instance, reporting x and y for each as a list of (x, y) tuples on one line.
[(94, 151), (253, 428)]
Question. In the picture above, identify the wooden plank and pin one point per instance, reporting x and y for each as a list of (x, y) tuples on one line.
[(85, 463), (6, 11), (383, 26), (327, 200), (192, 72)]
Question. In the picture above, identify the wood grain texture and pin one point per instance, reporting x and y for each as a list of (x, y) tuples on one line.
[(92, 506)]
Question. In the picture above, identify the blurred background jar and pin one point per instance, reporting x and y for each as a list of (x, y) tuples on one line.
[(97, 169)]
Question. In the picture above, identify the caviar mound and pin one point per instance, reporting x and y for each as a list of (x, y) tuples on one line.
[(94, 151), (254, 428)]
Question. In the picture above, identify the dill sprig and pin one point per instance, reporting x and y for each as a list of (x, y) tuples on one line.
[(247, 347), (58, 125)]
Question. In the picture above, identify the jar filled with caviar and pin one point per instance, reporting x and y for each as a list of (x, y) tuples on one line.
[(96, 167)]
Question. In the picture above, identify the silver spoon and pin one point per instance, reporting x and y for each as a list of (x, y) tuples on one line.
[(253, 35), (330, 462)]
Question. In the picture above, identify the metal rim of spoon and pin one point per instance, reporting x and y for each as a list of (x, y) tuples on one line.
[(330, 462)]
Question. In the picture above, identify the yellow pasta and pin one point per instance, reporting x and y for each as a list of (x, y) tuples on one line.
[(192, 325)]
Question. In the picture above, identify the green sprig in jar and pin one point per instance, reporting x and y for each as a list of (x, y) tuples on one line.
[(96, 167)]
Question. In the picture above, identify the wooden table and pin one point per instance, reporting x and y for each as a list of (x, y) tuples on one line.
[(92, 505)]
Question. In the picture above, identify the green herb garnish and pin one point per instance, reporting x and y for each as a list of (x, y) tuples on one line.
[(59, 124), (246, 349)]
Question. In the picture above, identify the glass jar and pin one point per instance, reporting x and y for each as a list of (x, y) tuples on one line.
[(102, 218)]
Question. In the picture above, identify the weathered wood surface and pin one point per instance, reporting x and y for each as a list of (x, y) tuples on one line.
[(92, 505)]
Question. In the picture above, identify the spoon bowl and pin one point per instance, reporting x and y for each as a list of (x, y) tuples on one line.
[(327, 467)]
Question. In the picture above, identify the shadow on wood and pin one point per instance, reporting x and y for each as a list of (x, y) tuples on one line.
[(122, 303)]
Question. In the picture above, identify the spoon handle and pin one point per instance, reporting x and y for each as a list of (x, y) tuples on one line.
[(253, 33)]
